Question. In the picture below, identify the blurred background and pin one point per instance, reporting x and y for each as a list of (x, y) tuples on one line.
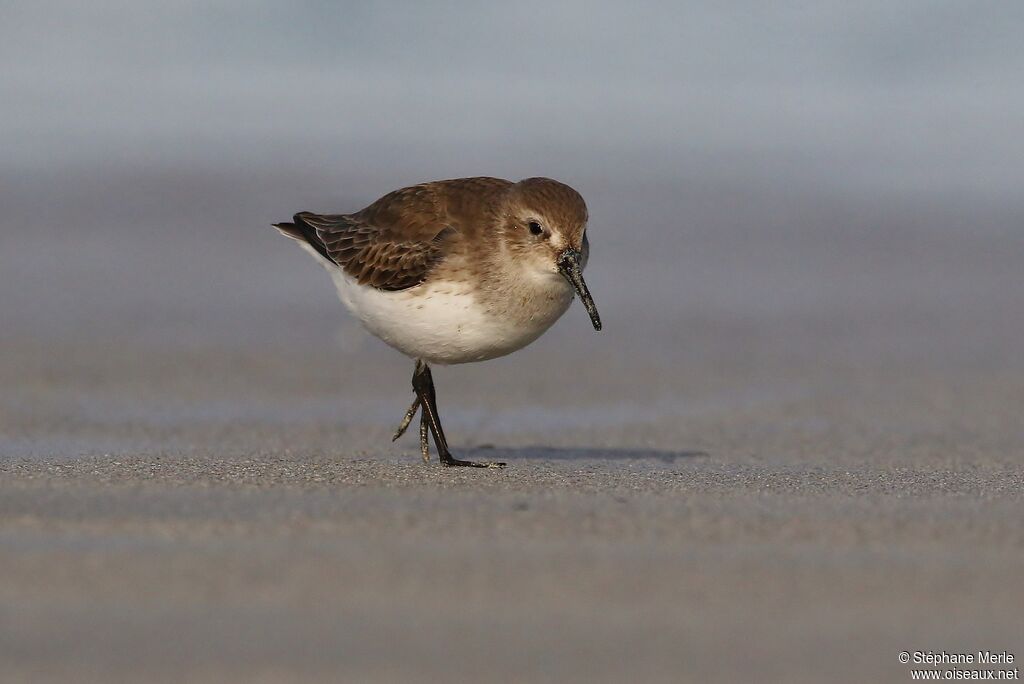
[(817, 185), (796, 443)]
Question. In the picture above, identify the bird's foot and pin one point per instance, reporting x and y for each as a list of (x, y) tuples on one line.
[(450, 461)]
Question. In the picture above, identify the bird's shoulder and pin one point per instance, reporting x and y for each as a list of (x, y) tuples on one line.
[(418, 212)]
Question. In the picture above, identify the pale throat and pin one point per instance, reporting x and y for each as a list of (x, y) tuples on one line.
[(526, 290)]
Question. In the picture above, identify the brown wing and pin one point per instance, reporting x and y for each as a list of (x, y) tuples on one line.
[(374, 256), (391, 245)]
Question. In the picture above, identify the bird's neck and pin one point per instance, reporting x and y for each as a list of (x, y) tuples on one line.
[(523, 294)]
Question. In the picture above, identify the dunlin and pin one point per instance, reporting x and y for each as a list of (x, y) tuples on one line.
[(455, 271)]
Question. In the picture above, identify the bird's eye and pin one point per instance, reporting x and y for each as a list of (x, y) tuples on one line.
[(535, 227)]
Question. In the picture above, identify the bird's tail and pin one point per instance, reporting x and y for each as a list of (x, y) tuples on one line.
[(303, 232)]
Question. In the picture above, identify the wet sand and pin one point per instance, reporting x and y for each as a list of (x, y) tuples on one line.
[(791, 455), (211, 523)]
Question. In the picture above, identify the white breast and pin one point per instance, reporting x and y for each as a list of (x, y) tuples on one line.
[(446, 323)]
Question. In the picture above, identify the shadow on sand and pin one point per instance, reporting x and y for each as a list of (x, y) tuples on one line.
[(487, 452)]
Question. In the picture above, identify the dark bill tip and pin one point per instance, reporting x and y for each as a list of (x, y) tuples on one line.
[(569, 266)]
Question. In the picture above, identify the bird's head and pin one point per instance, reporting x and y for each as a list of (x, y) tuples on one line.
[(545, 228)]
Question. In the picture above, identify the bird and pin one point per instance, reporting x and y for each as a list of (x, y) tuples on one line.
[(455, 271)]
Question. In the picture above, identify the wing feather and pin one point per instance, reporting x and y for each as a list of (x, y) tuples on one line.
[(386, 258)]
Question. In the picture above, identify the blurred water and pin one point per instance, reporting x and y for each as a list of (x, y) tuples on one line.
[(917, 97)]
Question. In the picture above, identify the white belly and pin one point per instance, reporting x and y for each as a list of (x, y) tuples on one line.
[(446, 323)]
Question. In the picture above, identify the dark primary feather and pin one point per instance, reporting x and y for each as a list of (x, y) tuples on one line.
[(304, 233)]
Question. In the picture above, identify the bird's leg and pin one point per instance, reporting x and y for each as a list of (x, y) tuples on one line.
[(424, 439), (409, 415), (423, 384), (407, 420)]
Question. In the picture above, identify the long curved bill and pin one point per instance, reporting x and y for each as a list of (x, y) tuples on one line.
[(569, 266)]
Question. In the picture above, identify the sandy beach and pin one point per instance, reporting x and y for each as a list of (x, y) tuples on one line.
[(793, 453)]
